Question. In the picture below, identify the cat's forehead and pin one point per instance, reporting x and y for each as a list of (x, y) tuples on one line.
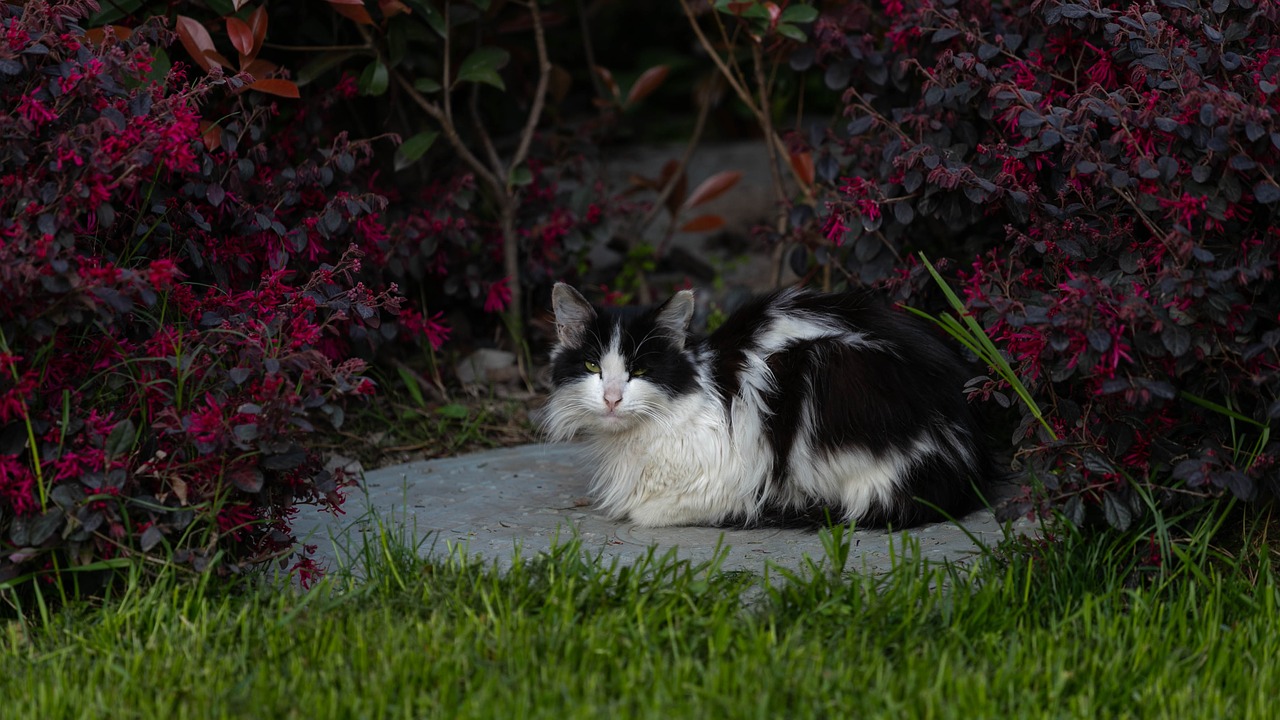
[(620, 329)]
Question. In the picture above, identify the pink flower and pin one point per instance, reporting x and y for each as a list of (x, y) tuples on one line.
[(498, 298), (17, 485), (34, 111)]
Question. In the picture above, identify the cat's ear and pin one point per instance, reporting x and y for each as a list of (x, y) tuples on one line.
[(573, 313), (674, 317)]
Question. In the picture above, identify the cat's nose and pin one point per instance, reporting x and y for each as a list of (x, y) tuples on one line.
[(612, 400)]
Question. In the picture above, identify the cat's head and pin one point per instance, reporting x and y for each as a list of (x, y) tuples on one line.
[(613, 370)]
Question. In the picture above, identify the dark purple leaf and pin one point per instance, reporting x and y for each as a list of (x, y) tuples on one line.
[(1176, 339), (249, 480), (1116, 512), (1266, 192), (150, 538), (837, 76)]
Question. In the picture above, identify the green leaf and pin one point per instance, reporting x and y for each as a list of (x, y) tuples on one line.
[(315, 69), (433, 16), (970, 333), (113, 12), (222, 8), (412, 149), (799, 14), (754, 11), (426, 85), (520, 176), (453, 411), (483, 65), (374, 79), (160, 65), (397, 43), (791, 31), (411, 386)]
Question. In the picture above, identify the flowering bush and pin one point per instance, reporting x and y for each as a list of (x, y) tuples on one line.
[(181, 301), (452, 253), (1115, 167)]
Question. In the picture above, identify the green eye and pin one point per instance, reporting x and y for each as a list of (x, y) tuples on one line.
[(593, 367), (637, 372)]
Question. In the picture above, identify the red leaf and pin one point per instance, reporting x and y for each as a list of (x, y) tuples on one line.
[(276, 86), (211, 134), (258, 23), (391, 8), (241, 37), (713, 187), (607, 78), (703, 223), (802, 163), (260, 69), (352, 10), (196, 39), (216, 58), (559, 83), (648, 81), (524, 22), (640, 181), (97, 35), (676, 198)]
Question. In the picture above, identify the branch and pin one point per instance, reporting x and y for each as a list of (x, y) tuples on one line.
[(539, 94), (451, 134), (485, 140), (743, 94)]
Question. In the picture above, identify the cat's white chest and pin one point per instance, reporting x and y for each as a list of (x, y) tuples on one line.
[(683, 469)]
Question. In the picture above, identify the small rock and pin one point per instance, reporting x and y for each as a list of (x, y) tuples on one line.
[(487, 365)]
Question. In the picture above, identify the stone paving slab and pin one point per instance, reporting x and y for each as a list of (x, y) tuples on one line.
[(488, 504)]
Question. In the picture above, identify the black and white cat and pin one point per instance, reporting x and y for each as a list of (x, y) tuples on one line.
[(799, 401)]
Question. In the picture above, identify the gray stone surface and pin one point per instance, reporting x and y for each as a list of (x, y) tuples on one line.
[(491, 503)]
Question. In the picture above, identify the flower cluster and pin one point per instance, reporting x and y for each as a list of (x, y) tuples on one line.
[(183, 301), (446, 248), (1112, 167)]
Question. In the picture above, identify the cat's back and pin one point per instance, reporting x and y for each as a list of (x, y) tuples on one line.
[(784, 320), (860, 405)]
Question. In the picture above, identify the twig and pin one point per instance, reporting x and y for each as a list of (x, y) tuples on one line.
[(590, 51), (704, 110), (485, 140)]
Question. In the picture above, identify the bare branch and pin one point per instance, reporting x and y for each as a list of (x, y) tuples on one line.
[(539, 94), (451, 134)]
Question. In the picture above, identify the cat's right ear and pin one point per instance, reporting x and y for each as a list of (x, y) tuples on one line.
[(675, 315), (573, 313)]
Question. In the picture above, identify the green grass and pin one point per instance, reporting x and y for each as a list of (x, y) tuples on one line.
[(1072, 629)]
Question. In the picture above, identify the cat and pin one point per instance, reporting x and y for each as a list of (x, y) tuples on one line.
[(799, 403)]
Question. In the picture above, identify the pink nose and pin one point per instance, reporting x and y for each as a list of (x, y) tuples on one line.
[(612, 400)]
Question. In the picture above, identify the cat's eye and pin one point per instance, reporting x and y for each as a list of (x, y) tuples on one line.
[(637, 372), (593, 367)]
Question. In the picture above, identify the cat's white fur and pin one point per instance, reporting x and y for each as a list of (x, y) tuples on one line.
[(691, 460)]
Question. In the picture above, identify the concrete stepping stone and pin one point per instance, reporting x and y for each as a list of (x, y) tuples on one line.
[(490, 503)]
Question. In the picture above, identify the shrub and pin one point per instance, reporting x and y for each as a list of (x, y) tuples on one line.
[(182, 302), (489, 204), (1114, 166)]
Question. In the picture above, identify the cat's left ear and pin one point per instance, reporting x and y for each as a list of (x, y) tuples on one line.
[(573, 313), (675, 315)]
